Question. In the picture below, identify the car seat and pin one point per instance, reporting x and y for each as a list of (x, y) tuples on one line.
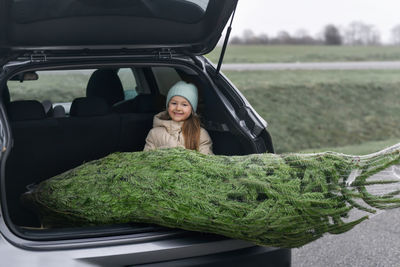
[(48, 107)]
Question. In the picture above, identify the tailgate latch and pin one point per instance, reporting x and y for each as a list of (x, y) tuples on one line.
[(38, 57), (165, 54)]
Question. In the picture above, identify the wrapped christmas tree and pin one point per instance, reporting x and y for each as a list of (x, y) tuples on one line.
[(283, 200)]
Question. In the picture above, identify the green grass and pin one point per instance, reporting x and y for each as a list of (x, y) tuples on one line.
[(299, 53), (324, 109)]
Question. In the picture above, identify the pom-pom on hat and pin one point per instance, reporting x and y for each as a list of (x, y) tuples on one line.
[(186, 90)]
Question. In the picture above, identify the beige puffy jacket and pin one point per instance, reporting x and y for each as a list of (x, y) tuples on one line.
[(168, 133)]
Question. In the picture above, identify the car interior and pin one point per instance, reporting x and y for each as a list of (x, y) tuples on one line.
[(51, 138)]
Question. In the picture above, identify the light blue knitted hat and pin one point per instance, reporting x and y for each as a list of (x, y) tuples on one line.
[(186, 90)]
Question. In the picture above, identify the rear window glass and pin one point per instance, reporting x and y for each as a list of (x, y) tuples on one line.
[(64, 85), (201, 3), (165, 78), (56, 86), (186, 11), (128, 81)]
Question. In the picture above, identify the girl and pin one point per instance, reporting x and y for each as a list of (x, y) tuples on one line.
[(179, 125)]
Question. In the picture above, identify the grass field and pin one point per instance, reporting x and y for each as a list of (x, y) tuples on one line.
[(298, 53), (355, 110)]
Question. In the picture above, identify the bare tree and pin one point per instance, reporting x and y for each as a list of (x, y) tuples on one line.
[(301, 33), (302, 37), (283, 37), (352, 33), (236, 40), (375, 38), (359, 33), (249, 37), (396, 34), (263, 38)]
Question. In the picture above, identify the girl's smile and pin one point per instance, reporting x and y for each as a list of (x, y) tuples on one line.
[(179, 108)]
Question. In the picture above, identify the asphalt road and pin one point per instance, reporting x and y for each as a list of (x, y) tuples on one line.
[(314, 66), (375, 242)]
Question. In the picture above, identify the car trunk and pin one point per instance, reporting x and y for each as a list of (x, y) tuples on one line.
[(44, 146)]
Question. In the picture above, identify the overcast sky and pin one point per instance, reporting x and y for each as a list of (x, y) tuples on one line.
[(271, 16)]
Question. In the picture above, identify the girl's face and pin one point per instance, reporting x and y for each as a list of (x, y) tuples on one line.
[(179, 109)]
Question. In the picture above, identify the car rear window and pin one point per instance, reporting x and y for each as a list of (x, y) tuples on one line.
[(56, 86), (186, 11), (65, 85)]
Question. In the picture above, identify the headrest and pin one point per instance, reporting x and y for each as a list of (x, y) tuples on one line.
[(48, 107), (58, 111), (105, 83), (89, 106), (23, 110)]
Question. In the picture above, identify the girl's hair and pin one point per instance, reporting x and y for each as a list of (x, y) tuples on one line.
[(190, 130)]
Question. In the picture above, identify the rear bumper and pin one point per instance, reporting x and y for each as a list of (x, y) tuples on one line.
[(187, 250), (254, 256)]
